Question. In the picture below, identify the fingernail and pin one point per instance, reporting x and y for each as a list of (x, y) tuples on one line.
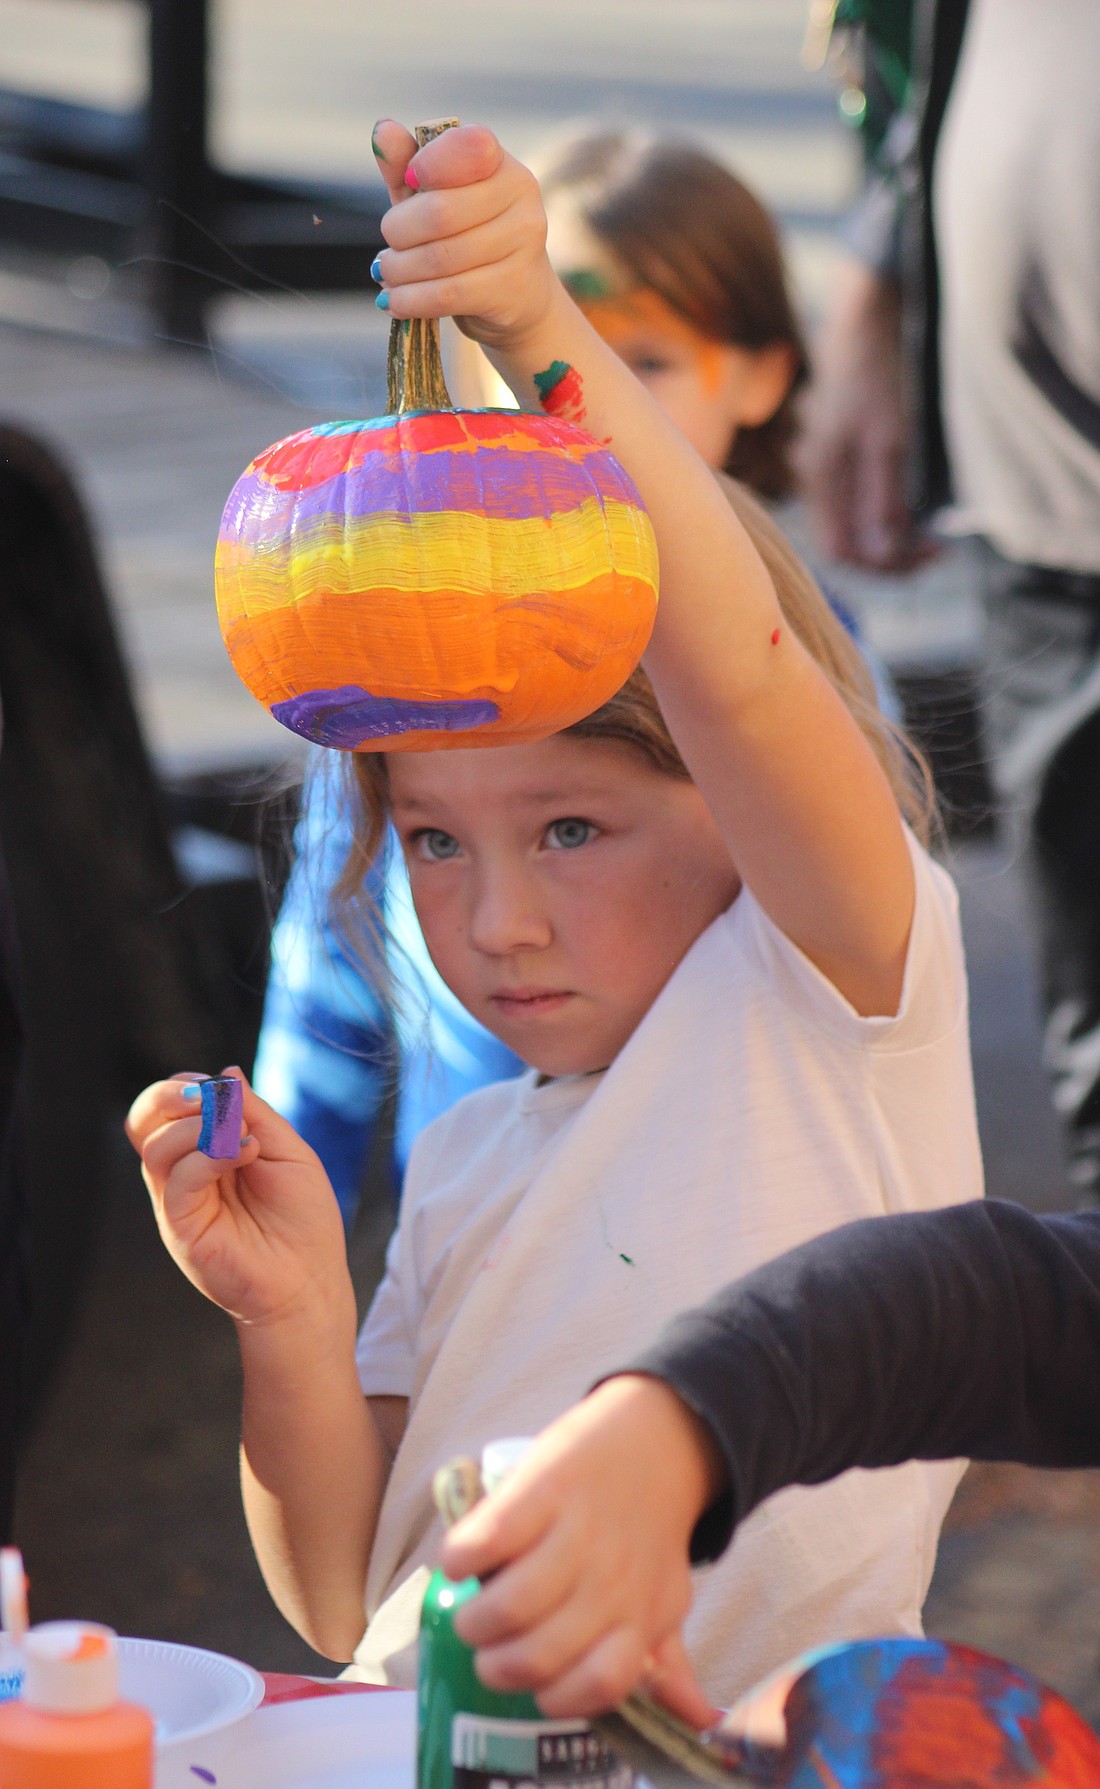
[(378, 154), (376, 269), (193, 1092), (383, 301), (412, 178)]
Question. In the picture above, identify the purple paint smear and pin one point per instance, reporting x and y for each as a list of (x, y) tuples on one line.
[(222, 1111), (349, 716), (207, 1776), (492, 482)]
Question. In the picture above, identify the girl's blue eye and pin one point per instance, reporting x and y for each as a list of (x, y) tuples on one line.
[(566, 835), (435, 846)]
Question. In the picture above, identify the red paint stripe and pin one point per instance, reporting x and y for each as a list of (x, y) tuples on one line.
[(308, 459)]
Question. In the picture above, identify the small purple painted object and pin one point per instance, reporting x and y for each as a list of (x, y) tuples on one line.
[(222, 1112)]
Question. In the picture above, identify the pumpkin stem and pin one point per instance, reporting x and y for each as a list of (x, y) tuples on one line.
[(414, 365)]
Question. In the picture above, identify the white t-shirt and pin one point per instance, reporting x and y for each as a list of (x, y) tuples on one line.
[(1017, 212), (548, 1231)]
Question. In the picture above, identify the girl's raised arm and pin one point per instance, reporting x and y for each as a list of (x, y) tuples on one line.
[(805, 809)]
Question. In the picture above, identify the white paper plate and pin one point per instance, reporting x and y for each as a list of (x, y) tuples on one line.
[(187, 1691), (329, 1742)]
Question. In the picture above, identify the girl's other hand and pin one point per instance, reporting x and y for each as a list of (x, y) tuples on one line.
[(468, 237), (588, 1543), (259, 1235)]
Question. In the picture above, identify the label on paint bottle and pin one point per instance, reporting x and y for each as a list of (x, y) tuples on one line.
[(489, 1753)]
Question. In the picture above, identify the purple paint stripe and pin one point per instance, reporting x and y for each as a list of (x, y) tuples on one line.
[(222, 1112), (349, 716), (490, 483)]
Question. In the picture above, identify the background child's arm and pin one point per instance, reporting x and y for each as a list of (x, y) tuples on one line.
[(807, 813), (262, 1237)]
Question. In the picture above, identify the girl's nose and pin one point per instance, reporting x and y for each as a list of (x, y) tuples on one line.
[(506, 915)]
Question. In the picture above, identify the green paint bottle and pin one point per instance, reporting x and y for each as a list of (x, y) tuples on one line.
[(470, 1737)]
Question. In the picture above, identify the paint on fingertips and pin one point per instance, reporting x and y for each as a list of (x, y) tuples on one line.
[(561, 392), (379, 154), (412, 179), (222, 1112)]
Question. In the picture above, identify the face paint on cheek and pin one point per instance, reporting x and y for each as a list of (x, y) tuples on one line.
[(561, 392), (618, 319), (587, 285), (709, 360)]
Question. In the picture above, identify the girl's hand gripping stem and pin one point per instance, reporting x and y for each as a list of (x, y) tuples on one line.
[(468, 239)]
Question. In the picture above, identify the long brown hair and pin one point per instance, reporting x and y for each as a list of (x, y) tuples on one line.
[(681, 224), (633, 717)]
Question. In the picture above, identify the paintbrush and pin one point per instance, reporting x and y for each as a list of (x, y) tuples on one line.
[(656, 1744)]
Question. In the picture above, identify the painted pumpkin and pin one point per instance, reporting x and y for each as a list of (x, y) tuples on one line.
[(440, 577), (435, 578)]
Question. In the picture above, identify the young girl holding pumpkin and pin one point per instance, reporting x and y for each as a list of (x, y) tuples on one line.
[(737, 977), (680, 268)]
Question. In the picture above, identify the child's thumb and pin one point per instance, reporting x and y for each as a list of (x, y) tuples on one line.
[(461, 156), (394, 148)]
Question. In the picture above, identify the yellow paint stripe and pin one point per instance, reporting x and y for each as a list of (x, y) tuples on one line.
[(452, 551)]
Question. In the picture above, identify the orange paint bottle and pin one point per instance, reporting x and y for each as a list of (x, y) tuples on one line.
[(69, 1730)]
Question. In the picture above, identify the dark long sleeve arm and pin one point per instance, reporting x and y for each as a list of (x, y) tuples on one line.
[(974, 1330)]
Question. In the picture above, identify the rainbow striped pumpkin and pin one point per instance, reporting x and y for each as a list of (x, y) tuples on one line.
[(436, 578)]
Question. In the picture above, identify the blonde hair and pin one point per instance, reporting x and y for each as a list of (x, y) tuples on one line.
[(633, 717)]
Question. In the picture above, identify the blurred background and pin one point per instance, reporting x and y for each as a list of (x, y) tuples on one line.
[(188, 212)]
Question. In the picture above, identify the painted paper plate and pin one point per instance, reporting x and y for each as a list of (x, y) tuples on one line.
[(187, 1691), (330, 1742)]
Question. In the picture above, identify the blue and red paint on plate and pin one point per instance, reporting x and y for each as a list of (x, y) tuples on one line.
[(914, 1714)]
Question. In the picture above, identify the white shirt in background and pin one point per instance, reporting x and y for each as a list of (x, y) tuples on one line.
[(1017, 216)]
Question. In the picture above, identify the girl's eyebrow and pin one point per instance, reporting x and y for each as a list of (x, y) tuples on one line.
[(410, 804), (568, 797)]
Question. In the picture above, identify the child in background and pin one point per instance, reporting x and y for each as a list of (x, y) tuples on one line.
[(701, 918), (680, 268)]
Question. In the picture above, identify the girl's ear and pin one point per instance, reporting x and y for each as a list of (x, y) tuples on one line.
[(766, 375)]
